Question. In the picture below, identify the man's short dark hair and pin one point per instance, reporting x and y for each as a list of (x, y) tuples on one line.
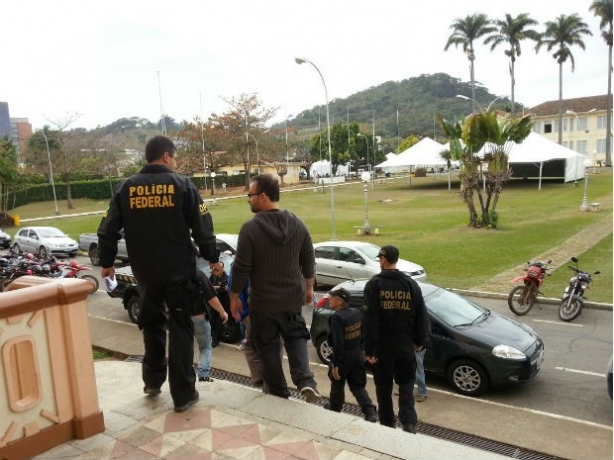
[(157, 146), (267, 184)]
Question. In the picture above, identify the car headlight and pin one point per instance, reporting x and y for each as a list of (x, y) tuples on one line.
[(507, 352)]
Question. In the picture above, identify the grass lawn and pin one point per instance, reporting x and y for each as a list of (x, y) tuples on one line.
[(428, 224)]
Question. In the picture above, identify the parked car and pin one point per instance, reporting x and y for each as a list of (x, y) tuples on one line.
[(337, 261), (5, 239), (88, 242), (472, 347), (45, 242), (128, 290)]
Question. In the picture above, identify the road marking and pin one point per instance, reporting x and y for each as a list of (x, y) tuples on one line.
[(560, 323), (578, 371)]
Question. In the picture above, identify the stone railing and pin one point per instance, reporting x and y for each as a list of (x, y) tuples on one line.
[(48, 390)]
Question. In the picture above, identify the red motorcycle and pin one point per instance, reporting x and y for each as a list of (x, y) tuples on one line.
[(73, 270), (522, 298)]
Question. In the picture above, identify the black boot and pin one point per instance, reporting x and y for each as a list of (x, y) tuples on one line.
[(370, 414)]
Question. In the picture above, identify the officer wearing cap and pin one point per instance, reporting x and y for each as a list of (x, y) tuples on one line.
[(396, 326), (348, 360)]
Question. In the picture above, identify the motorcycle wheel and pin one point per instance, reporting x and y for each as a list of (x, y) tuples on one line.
[(521, 300), (92, 279), (570, 308)]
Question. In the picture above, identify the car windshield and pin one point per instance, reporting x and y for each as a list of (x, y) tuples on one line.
[(50, 232), (369, 250), (453, 309)]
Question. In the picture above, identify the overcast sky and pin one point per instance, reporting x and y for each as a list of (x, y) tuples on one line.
[(113, 59)]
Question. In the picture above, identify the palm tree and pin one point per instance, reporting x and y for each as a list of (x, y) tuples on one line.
[(512, 31), (466, 31), (603, 9), (562, 34)]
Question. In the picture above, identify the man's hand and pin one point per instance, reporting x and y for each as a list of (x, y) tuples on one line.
[(235, 306), (335, 373), (109, 271), (224, 317), (309, 297)]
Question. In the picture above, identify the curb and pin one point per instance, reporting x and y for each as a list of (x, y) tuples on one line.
[(543, 300)]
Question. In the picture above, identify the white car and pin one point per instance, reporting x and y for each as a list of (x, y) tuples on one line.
[(337, 261), (45, 241)]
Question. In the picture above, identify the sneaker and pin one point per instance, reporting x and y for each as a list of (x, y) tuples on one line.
[(409, 427), (311, 395), (371, 415), (151, 392), (205, 379), (420, 398), (191, 402)]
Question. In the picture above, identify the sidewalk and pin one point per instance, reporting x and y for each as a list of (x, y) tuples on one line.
[(233, 421), (236, 422)]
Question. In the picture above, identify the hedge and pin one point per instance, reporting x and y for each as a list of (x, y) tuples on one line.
[(100, 189)]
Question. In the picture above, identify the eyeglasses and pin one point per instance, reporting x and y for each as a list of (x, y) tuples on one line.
[(249, 195)]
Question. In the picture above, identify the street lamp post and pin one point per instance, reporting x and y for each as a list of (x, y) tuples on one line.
[(587, 164), (257, 152), (213, 187), (55, 200), (366, 142), (365, 176), (330, 150)]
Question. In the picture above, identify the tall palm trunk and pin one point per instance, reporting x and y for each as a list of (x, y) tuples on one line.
[(608, 133), (471, 57), (512, 63), (560, 122)]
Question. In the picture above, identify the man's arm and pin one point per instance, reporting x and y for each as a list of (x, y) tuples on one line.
[(201, 224), (108, 236)]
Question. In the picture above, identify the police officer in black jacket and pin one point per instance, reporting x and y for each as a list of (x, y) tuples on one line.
[(396, 326), (348, 360), (159, 210)]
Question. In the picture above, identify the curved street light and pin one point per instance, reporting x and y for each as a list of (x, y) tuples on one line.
[(467, 98), (330, 150), (55, 200), (368, 164), (365, 177), (587, 164)]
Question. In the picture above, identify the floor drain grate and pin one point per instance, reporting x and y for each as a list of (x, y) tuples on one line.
[(423, 428)]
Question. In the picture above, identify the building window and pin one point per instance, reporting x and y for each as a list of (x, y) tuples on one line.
[(565, 144), (601, 122), (581, 146), (547, 127), (566, 125), (537, 127), (582, 124), (601, 145)]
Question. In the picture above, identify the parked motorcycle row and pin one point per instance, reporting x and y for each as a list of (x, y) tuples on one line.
[(14, 265), (522, 298)]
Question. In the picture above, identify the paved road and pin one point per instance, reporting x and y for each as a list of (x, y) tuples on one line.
[(570, 384)]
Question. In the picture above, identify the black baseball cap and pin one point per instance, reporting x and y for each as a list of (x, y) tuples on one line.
[(342, 293), (390, 253)]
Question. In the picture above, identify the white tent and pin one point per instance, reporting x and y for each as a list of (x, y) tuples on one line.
[(539, 157), (423, 153)]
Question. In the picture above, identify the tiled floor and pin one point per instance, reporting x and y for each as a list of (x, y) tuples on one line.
[(140, 427)]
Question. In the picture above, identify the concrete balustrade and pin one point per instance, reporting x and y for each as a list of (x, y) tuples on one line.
[(48, 392)]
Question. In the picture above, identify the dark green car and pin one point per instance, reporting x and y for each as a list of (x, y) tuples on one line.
[(472, 347)]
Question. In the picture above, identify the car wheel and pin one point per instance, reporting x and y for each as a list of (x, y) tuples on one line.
[(323, 350), (43, 253), (94, 256), (231, 332), (134, 308), (16, 248), (468, 377)]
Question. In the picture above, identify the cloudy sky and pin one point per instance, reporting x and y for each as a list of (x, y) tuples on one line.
[(114, 59)]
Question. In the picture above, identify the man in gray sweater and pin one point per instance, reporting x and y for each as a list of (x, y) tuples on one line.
[(276, 253)]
